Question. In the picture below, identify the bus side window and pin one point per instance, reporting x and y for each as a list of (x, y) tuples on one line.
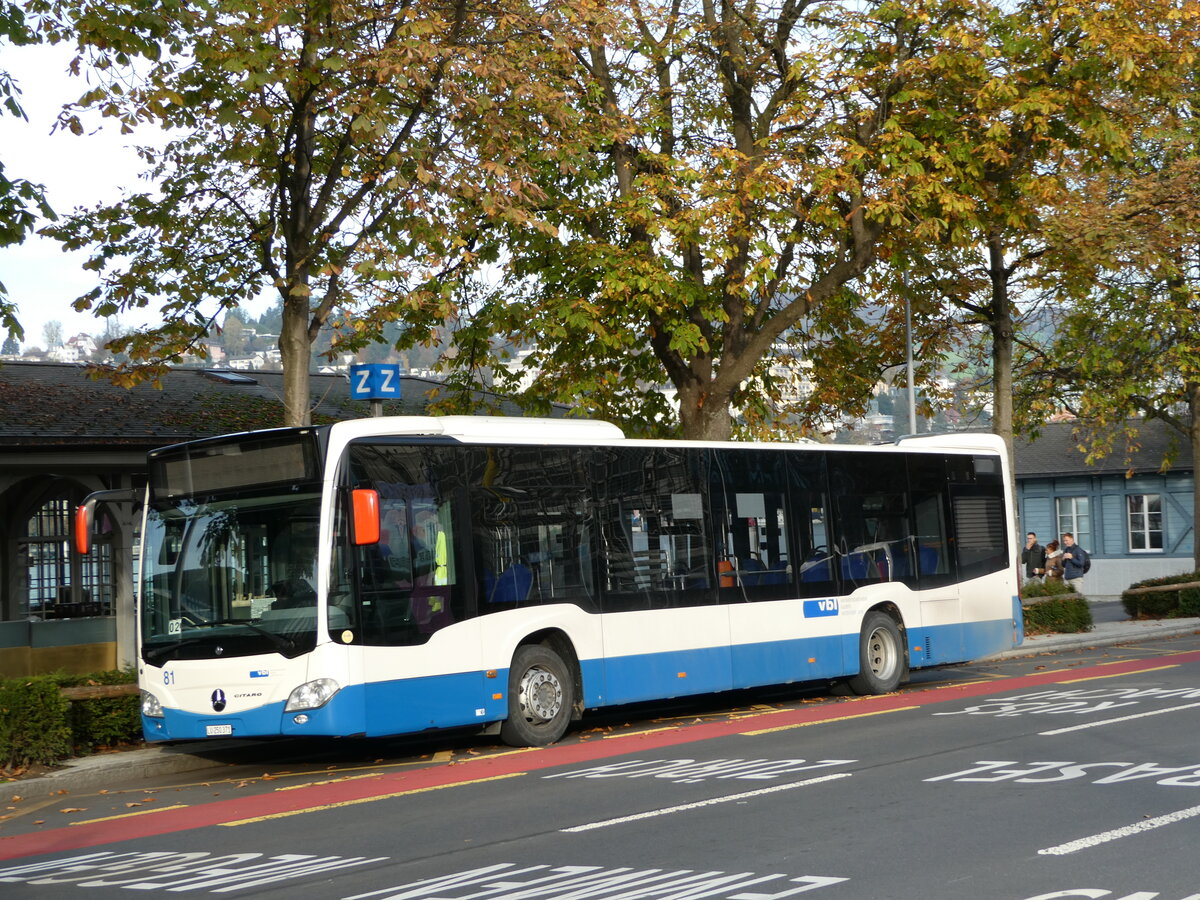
[(529, 509), (752, 525), (927, 483), (654, 536), (874, 538)]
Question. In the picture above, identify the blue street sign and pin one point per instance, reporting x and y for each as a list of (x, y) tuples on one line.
[(375, 381)]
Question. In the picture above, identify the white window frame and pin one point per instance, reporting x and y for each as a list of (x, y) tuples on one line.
[(1069, 512), (1138, 522)]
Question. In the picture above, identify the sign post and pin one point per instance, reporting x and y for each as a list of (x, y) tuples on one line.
[(375, 382)]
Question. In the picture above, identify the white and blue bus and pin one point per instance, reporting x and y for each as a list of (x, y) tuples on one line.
[(385, 576)]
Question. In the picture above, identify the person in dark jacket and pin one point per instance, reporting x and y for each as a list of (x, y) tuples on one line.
[(1034, 557), (1075, 562)]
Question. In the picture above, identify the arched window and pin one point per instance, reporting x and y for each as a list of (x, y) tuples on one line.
[(57, 583)]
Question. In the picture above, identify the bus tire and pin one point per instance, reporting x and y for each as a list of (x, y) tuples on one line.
[(540, 698), (883, 664)]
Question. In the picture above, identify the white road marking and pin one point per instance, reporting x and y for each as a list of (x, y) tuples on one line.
[(1117, 833), (1155, 712), (702, 803)]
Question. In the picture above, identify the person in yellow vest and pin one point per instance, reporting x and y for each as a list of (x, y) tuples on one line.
[(431, 555), (441, 569)]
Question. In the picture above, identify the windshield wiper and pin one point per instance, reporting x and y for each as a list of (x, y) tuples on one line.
[(157, 654), (279, 641)]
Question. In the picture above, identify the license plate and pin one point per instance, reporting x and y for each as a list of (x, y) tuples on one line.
[(214, 730)]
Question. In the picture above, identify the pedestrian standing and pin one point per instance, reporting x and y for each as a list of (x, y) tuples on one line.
[(1034, 558), (1054, 562), (1075, 563)]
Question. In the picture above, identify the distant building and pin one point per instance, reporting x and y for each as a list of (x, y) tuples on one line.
[(1135, 520), (77, 349)]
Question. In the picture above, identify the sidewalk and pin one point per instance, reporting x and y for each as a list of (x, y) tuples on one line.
[(1103, 634), (94, 772)]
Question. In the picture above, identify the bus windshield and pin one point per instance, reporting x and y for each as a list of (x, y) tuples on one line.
[(229, 577)]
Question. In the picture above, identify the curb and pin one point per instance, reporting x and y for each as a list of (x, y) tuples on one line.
[(1101, 636), (88, 772)]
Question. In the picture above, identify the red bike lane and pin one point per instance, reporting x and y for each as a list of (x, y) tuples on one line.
[(309, 798)]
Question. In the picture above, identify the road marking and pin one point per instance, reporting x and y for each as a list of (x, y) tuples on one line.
[(129, 815), (306, 784), (879, 712), (1153, 712), (702, 803), (1117, 833), (1118, 674), (342, 803), (54, 840), (641, 733)]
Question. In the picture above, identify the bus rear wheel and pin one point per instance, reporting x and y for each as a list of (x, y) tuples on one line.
[(882, 663), (540, 698)]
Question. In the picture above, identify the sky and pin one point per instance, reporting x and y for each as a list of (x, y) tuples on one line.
[(76, 171)]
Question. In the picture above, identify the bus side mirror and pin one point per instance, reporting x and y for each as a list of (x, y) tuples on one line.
[(85, 513), (364, 519), (83, 527)]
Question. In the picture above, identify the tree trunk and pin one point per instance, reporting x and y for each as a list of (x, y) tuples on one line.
[(704, 416), (294, 349)]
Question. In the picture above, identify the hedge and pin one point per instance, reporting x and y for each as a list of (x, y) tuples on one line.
[(1057, 608), (38, 725), (1183, 603)]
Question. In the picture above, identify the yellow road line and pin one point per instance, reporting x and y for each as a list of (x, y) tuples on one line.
[(1121, 674), (130, 815), (294, 787), (624, 734), (825, 721), (355, 802)]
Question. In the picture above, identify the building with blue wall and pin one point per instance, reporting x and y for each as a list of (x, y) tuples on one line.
[(1134, 518)]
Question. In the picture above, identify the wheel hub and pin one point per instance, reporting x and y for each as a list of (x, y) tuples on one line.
[(881, 653), (541, 695)]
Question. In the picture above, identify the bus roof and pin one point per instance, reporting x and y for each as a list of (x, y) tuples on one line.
[(531, 430), (486, 429)]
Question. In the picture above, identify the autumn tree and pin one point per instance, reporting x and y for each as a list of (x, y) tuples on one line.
[(1060, 101), (750, 163), (1126, 352), (332, 151)]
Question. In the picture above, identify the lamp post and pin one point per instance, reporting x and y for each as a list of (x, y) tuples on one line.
[(908, 347)]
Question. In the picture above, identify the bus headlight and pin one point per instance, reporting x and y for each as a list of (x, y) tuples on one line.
[(312, 695), (151, 706)]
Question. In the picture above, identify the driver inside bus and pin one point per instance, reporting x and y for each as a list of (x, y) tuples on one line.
[(427, 540)]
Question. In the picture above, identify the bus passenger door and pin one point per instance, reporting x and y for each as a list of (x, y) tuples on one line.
[(940, 635), (664, 633)]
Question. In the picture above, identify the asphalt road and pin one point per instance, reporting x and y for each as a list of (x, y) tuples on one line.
[(1060, 776)]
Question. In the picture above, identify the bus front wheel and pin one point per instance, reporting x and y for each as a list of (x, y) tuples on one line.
[(882, 663), (540, 698)]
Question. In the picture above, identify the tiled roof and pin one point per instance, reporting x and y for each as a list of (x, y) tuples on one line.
[(59, 405), (1055, 451)]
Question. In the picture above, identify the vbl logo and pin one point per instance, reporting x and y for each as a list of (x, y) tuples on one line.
[(816, 608)]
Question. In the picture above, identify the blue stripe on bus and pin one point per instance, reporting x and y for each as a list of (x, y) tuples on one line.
[(651, 676), (470, 698), (778, 662)]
